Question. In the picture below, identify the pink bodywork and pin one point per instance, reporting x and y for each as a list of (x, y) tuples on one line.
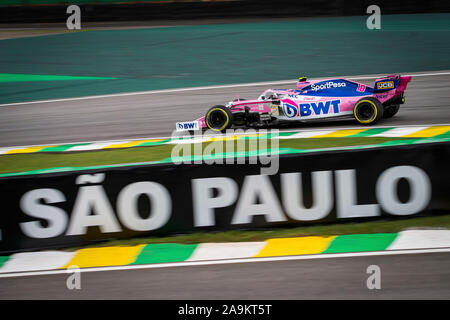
[(346, 103)]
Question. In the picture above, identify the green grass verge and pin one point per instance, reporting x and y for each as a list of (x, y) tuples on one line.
[(41, 160), (35, 161), (384, 226)]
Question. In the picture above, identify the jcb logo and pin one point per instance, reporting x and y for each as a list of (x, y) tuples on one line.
[(385, 85)]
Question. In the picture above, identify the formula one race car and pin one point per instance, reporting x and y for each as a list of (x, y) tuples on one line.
[(312, 100)]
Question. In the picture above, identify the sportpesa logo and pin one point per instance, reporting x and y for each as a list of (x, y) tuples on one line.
[(327, 85)]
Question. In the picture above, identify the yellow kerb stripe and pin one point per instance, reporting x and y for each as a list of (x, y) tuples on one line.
[(235, 137), (340, 133), (295, 246), (223, 139), (243, 136), (26, 150), (429, 132), (129, 144), (106, 256)]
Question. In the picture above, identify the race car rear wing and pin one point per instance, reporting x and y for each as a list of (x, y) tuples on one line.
[(391, 82)]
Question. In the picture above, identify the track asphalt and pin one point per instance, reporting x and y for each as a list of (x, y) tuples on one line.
[(410, 276)]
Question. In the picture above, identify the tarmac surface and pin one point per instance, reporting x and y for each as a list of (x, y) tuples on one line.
[(407, 276), (154, 114)]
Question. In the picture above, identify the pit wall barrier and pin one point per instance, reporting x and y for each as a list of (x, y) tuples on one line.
[(69, 209)]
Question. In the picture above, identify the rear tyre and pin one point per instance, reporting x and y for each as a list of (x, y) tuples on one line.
[(391, 111), (368, 111), (219, 118)]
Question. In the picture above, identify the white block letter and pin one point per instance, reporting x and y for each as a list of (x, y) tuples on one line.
[(56, 218), (204, 202), (127, 206), (292, 194), (258, 187), (347, 206), (419, 184)]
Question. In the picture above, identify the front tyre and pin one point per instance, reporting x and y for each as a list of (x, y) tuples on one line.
[(219, 118), (368, 111)]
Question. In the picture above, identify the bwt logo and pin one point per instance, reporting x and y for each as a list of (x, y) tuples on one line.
[(185, 126), (189, 125), (292, 109)]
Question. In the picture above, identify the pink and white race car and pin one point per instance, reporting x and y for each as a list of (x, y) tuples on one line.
[(311, 101)]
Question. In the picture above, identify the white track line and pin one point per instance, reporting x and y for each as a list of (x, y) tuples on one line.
[(94, 146), (213, 87), (227, 261)]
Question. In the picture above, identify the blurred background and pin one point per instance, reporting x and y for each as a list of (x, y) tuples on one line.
[(126, 46), (145, 10)]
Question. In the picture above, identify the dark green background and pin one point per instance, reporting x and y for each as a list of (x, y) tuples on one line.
[(201, 55)]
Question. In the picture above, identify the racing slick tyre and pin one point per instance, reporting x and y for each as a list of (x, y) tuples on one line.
[(368, 111), (391, 111), (219, 118)]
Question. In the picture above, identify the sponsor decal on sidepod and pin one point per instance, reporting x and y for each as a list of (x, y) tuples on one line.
[(292, 109)]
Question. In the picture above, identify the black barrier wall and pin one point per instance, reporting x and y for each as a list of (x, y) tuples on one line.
[(214, 9), (75, 208)]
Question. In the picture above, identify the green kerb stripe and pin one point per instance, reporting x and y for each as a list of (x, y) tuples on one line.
[(287, 134), (62, 148), (154, 143), (442, 136), (361, 242), (369, 132), (3, 259), (168, 252), (400, 142)]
